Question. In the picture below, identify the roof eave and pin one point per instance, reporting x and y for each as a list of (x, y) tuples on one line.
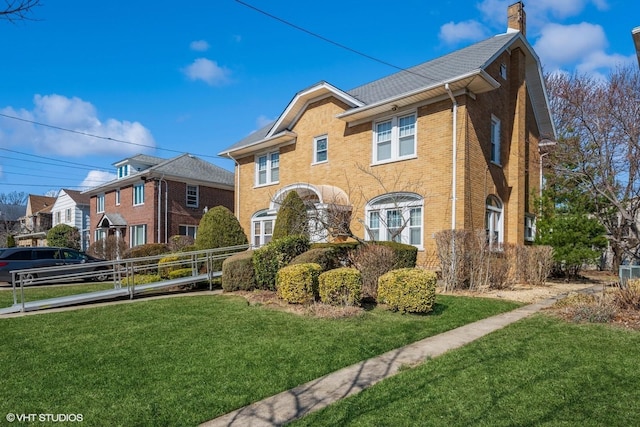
[(283, 138), (477, 81)]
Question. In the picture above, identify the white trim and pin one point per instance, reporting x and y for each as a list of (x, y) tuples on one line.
[(405, 203), (268, 169), (394, 138), (324, 137), (495, 146)]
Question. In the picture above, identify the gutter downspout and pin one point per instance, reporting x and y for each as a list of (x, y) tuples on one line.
[(236, 187), (454, 149)]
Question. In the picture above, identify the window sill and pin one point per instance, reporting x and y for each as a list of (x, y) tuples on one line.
[(319, 163), (399, 159), (496, 164), (266, 185)]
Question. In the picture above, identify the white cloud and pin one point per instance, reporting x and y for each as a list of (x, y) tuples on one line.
[(199, 45), (451, 32), (207, 71), (70, 124), (263, 120), (95, 178), (566, 44)]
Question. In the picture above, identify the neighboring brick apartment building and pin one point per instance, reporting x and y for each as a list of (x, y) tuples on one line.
[(153, 199), (385, 151)]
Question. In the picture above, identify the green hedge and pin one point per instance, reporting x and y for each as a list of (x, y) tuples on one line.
[(342, 286), (405, 255), (326, 257), (273, 256), (408, 290), (150, 249), (341, 250), (238, 273), (298, 284)]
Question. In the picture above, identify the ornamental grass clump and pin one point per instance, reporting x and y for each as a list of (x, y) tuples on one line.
[(340, 287), (298, 284), (408, 290)]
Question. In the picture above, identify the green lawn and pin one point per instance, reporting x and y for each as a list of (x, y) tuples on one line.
[(182, 361), (537, 372)]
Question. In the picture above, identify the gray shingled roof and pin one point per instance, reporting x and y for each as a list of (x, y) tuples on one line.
[(439, 70), (191, 167), (145, 159)]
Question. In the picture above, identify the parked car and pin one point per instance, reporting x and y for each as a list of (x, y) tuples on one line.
[(20, 258)]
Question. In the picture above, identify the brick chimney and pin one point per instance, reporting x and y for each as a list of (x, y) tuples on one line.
[(516, 18)]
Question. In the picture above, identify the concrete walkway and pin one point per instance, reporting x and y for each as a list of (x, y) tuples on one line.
[(317, 394)]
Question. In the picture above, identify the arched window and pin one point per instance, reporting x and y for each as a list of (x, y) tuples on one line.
[(262, 223), (494, 222), (396, 217)]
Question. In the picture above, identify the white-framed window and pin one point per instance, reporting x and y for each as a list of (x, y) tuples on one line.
[(396, 217), (137, 235), (268, 168), (494, 222), (138, 194), (262, 228), (67, 215), (100, 234), (320, 149), (123, 171), (503, 71), (394, 138), (529, 227), (58, 217), (188, 230), (192, 196), (100, 203), (117, 197), (495, 140)]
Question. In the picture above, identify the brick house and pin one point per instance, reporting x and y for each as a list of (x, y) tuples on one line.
[(153, 199), (385, 151)]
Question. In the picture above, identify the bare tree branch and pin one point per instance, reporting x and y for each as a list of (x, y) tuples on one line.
[(18, 10)]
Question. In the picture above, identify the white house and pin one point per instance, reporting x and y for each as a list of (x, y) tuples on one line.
[(72, 208)]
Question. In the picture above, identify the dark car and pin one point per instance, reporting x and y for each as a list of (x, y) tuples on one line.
[(36, 257)]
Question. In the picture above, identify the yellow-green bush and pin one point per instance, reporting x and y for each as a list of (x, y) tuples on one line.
[(181, 272), (298, 284), (408, 290), (342, 286), (170, 263), (141, 279)]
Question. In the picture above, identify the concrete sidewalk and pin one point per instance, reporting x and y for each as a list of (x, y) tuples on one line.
[(317, 394)]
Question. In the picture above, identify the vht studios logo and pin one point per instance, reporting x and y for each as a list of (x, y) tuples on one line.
[(44, 418)]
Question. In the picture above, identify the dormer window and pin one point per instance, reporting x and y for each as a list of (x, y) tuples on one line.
[(123, 171)]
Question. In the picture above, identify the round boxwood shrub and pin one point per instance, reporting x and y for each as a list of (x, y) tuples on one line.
[(298, 284), (326, 257), (276, 254), (181, 272), (408, 290), (237, 272), (65, 236), (171, 263), (342, 286)]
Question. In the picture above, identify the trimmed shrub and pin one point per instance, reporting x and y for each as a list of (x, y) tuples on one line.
[(342, 286), (11, 241), (219, 228), (180, 272), (237, 272), (405, 255), (372, 261), (298, 284), (342, 251), (142, 279), (324, 256), (408, 290), (171, 263), (273, 256), (150, 249), (292, 217), (178, 243), (65, 236)]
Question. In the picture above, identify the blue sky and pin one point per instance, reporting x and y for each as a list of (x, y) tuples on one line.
[(164, 78)]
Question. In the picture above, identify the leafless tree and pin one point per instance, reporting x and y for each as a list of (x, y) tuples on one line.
[(12, 207), (18, 10), (598, 154)]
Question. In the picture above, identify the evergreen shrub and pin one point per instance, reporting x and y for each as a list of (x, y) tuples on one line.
[(341, 287), (237, 272), (292, 217), (298, 284), (408, 290), (326, 257), (273, 256)]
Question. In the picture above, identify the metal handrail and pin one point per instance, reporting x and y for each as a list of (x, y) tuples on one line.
[(122, 271)]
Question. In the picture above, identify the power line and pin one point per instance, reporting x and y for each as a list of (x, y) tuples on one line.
[(107, 138), (340, 45), (75, 164)]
